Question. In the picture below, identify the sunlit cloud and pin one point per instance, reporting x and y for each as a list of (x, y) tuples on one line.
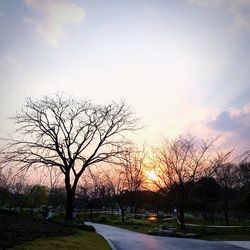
[(233, 120), (231, 127), (55, 15), (234, 126), (238, 10)]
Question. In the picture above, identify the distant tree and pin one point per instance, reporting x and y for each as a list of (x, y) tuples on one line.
[(117, 185), (57, 197), (179, 163), (87, 193), (225, 172), (131, 168), (56, 194), (105, 195), (4, 188), (37, 195), (70, 135), (243, 186), (19, 191), (207, 195), (102, 190), (244, 175)]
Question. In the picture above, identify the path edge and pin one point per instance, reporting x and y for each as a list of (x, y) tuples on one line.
[(109, 242), (105, 238)]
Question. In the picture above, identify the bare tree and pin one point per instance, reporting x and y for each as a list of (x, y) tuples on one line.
[(103, 190), (70, 135), (55, 176), (117, 185), (87, 194), (244, 175), (132, 164), (179, 163), (4, 186)]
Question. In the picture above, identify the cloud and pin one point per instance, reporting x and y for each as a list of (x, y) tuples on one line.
[(54, 16), (239, 10), (224, 122), (8, 61), (28, 20), (208, 2), (234, 126), (240, 21), (229, 3)]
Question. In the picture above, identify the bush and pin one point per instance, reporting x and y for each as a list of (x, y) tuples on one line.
[(101, 219), (86, 228), (17, 228)]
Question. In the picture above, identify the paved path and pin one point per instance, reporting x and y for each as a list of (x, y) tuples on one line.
[(122, 239), (244, 244)]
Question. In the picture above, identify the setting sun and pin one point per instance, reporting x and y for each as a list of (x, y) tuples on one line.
[(152, 175)]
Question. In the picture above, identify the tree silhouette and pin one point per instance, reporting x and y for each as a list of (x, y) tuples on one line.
[(70, 135), (179, 164)]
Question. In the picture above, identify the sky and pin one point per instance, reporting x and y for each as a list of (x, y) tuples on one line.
[(182, 65)]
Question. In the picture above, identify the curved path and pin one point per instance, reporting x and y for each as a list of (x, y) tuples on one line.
[(122, 239)]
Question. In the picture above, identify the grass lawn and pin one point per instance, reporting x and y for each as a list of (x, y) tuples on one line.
[(81, 240), (140, 226), (214, 234), (237, 237), (23, 231)]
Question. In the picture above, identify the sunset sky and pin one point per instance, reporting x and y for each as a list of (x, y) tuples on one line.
[(182, 65)]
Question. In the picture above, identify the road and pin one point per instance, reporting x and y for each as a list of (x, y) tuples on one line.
[(122, 239)]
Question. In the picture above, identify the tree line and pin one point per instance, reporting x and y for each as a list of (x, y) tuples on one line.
[(220, 195), (86, 145)]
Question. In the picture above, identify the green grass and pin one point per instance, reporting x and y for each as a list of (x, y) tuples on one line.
[(81, 240), (238, 237), (18, 228), (140, 226), (143, 226), (26, 232), (219, 222)]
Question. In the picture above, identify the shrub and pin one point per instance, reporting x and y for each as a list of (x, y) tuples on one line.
[(86, 227)]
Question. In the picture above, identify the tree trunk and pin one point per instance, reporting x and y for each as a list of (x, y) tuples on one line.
[(182, 218), (226, 216), (123, 215), (91, 210), (157, 213), (70, 199), (226, 212), (70, 205), (135, 212)]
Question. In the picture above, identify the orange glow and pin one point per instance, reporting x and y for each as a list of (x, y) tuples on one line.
[(151, 175)]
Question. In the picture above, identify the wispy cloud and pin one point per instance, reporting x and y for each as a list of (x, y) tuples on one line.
[(240, 21), (28, 20), (54, 16), (8, 61), (239, 10)]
